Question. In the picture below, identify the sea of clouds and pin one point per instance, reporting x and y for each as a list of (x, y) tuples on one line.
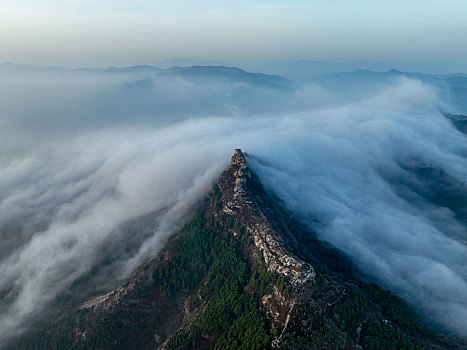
[(92, 184)]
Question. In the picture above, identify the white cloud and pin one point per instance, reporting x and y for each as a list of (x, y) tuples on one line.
[(341, 164)]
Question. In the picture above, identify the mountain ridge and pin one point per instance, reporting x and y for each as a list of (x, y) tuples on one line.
[(241, 274)]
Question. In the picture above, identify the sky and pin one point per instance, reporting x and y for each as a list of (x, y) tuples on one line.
[(117, 32)]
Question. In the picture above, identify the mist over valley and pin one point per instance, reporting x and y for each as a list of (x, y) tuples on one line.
[(98, 167)]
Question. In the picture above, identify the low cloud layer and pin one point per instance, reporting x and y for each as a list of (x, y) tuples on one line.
[(353, 172)]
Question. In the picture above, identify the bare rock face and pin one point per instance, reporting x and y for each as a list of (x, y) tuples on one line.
[(241, 203)]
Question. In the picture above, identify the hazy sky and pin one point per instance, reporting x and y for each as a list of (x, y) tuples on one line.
[(119, 32)]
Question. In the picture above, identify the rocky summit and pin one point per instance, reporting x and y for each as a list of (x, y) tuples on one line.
[(242, 273)]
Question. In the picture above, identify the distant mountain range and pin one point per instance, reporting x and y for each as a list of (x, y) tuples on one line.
[(452, 88), (137, 94), (221, 74)]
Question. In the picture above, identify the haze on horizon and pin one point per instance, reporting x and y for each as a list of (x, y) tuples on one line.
[(119, 32)]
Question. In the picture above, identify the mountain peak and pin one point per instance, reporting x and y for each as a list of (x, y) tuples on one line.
[(238, 156), (224, 74)]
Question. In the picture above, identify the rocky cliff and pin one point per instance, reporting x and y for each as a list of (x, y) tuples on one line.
[(241, 204)]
